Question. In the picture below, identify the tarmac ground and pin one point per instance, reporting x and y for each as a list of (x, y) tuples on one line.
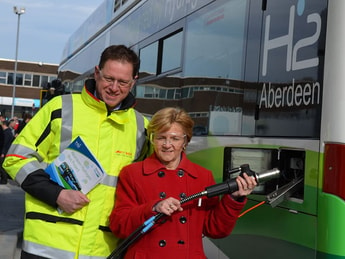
[(11, 220), (12, 212)]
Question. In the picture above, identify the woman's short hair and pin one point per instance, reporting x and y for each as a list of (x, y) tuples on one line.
[(164, 118)]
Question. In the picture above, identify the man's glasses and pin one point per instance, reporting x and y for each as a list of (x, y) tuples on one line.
[(111, 80), (169, 138)]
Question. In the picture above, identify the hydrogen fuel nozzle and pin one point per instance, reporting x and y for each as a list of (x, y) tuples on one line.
[(230, 185)]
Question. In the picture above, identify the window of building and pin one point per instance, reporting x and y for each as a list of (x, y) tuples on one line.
[(3, 77), (150, 92), (27, 79), (163, 94), (139, 91), (36, 80), (44, 81), (19, 77), (10, 78), (171, 94), (51, 78), (185, 92)]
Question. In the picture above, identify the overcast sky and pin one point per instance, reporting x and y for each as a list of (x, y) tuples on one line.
[(44, 28)]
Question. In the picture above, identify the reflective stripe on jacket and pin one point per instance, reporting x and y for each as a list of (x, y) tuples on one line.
[(116, 139)]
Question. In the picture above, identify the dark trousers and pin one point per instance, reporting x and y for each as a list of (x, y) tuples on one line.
[(3, 174), (25, 255)]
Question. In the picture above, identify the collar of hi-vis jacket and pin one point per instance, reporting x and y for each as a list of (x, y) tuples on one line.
[(119, 116)]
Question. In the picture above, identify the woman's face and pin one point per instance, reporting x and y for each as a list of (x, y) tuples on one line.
[(168, 145)]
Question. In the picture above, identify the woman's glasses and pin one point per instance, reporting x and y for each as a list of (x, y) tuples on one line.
[(169, 138)]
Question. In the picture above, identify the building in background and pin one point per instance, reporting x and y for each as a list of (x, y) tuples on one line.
[(32, 79)]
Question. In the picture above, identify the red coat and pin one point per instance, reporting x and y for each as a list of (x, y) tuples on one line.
[(141, 185)]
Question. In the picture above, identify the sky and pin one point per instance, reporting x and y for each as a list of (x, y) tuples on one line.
[(44, 28)]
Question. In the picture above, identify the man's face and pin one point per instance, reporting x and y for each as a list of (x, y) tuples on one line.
[(12, 124), (113, 82)]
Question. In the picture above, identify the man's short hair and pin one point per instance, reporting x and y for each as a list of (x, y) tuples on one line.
[(121, 53)]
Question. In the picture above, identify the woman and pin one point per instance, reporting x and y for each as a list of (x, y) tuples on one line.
[(157, 184)]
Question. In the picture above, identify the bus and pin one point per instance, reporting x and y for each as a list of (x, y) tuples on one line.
[(263, 81)]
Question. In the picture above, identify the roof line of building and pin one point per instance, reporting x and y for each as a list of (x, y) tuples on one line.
[(32, 62)]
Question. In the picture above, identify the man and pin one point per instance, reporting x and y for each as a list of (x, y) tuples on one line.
[(12, 124), (26, 118), (55, 88), (103, 116), (6, 138)]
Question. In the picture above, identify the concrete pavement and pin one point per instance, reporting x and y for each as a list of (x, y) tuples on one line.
[(11, 220)]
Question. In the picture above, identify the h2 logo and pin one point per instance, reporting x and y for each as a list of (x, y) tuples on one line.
[(292, 50)]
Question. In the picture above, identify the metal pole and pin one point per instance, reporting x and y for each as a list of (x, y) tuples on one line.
[(17, 12)]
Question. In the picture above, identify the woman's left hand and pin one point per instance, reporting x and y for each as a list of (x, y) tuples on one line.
[(246, 184)]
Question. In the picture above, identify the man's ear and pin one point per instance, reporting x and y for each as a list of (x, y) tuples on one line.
[(96, 72)]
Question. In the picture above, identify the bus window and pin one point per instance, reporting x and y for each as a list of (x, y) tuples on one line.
[(148, 60), (162, 56), (171, 53)]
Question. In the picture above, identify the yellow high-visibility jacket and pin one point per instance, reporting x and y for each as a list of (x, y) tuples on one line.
[(116, 139)]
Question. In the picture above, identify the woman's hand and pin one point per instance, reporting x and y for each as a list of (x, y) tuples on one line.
[(246, 184), (168, 206)]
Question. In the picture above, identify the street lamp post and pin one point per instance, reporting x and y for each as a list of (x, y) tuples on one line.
[(18, 12)]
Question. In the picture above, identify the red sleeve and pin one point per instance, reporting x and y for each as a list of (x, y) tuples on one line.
[(128, 214), (221, 218)]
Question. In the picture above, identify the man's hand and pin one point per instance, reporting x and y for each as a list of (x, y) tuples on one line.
[(70, 201)]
